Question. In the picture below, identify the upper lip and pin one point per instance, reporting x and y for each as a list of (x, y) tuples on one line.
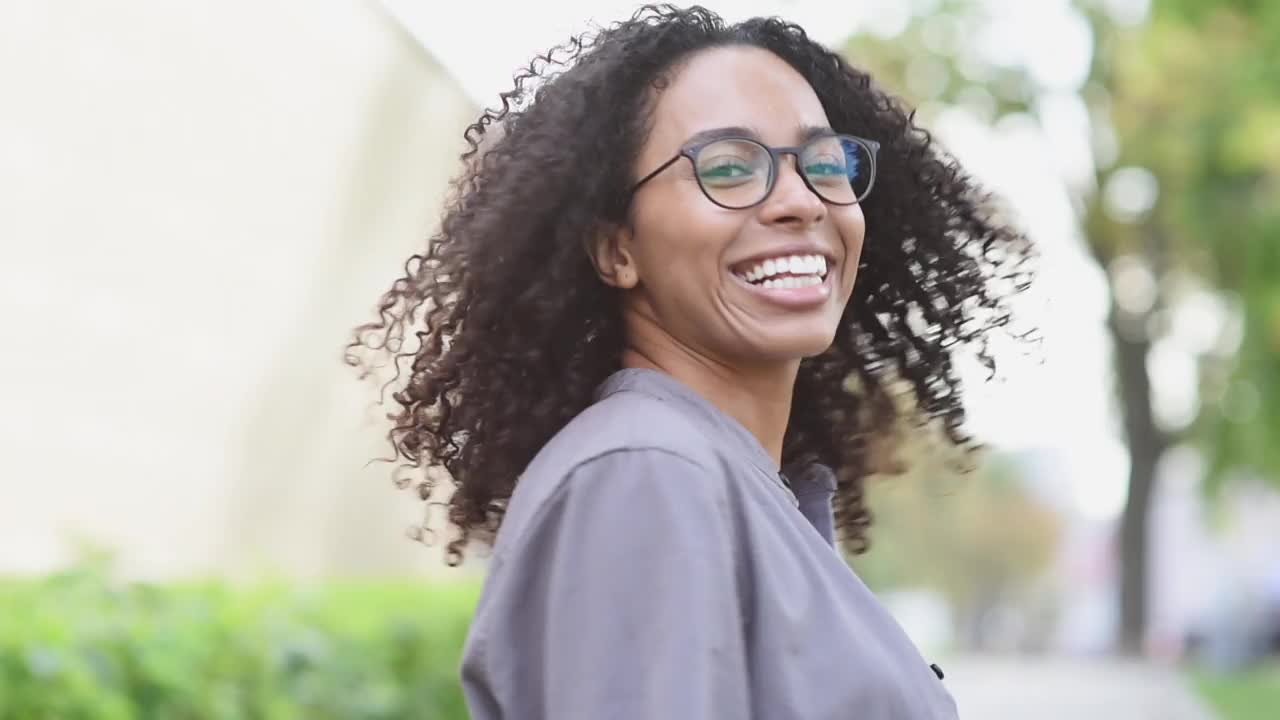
[(786, 250)]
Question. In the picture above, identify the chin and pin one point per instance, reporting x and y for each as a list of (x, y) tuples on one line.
[(796, 345)]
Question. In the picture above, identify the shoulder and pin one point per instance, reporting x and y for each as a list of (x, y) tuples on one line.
[(624, 421), (623, 540), (626, 452)]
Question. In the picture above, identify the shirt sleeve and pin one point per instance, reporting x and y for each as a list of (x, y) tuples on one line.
[(622, 601)]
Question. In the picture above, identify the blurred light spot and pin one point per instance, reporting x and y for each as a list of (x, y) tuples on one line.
[(1060, 53), (1175, 397), (1065, 118), (972, 66), (1053, 42), (887, 18), (1129, 194), (1019, 125), (1232, 327), (940, 33), (1099, 481), (1133, 284), (927, 77), (1127, 12), (1198, 321), (998, 41)]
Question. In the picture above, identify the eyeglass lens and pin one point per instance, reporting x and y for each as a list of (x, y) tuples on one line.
[(739, 173)]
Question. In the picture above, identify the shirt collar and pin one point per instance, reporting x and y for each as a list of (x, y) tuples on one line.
[(815, 483)]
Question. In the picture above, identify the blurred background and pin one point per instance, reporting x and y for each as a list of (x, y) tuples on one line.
[(198, 200)]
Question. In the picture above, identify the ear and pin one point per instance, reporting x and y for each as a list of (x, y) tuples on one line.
[(611, 253)]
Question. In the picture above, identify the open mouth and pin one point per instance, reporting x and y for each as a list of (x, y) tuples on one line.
[(784, 272)]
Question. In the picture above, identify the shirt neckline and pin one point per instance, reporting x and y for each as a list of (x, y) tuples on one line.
[(660, 385)]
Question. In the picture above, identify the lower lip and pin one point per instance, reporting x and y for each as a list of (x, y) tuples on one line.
[(800, 298)]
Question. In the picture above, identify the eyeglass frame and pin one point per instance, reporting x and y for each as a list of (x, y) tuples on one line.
[(691, 151)]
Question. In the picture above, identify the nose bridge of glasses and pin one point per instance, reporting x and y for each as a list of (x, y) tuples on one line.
[(779, 153), (779, 163), (802, 190)]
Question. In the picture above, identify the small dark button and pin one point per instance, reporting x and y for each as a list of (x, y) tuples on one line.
[(937, 670)]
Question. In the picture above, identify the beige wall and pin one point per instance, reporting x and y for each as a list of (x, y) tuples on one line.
[(196, 202)]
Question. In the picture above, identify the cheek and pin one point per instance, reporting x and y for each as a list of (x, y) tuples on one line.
[(685, 232), (852, 226)]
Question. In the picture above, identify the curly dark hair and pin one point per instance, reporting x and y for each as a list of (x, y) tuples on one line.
[(515, 329)]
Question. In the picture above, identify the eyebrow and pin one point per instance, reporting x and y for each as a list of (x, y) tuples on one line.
[(805, 133)]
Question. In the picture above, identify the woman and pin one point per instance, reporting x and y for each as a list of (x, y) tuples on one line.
[(698, 254)]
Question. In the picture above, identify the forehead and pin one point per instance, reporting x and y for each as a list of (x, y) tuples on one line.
[(735, 86)]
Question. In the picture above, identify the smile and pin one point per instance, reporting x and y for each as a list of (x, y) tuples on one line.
[(789, 271), (793, 282)]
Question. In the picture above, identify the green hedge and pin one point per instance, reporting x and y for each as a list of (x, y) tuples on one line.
[(76, 646), (1252, 694)]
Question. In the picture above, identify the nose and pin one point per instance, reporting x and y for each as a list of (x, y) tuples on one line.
[(791, 202)]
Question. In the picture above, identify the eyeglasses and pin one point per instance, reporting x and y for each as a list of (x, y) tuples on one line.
[(739, 172)]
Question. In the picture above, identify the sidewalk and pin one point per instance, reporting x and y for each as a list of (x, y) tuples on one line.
[(1005, 688)]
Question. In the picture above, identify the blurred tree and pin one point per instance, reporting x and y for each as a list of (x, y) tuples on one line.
[(1195, 100), (1183, 213), (999, 540), (1192, 98)]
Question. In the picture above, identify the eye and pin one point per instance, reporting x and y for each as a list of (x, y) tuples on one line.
[(729, 170), (824, 168), (732, 162), (724, 167)]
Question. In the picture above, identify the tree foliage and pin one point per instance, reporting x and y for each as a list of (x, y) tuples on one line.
[(1194, 97)]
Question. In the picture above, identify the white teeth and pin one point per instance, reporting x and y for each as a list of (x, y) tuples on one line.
[(792, 281), (815, 265)]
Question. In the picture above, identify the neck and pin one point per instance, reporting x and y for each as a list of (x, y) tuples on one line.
[(758, 397)]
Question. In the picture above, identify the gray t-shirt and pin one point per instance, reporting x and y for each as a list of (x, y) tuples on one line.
[(653, 564)]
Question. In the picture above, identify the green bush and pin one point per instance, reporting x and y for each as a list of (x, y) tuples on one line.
[(1246, 695), (76, 645)]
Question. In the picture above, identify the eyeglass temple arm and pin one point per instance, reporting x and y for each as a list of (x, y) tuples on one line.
[(655, 173)]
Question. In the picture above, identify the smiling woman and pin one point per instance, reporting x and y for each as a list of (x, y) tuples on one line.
[(659, 330)]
